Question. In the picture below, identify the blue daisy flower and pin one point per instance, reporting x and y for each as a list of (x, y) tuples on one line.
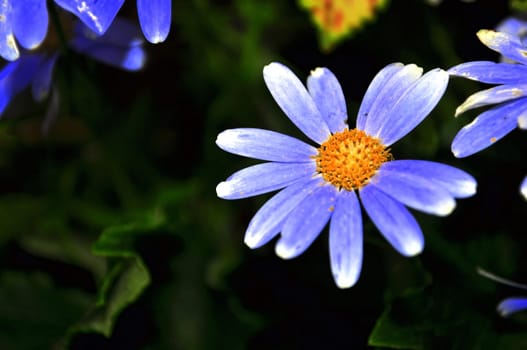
[(347, 167), (508, 98), (98, 15), (121, 47), (24, 22)]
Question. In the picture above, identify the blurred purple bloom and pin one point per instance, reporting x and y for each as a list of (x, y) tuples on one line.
[(22, 21), (121, 47), (324, 183), (508, 96), (98, 15)]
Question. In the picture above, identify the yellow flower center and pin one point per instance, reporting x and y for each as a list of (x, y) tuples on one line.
[(349, 159)]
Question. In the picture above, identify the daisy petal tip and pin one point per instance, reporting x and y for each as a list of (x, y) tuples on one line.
[(345, 281), (251, 240), (412, 248), (317, 72), (223, 190), (446, 208), (284, 251), (522, 122)]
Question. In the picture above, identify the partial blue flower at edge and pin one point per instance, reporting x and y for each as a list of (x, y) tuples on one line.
[(121, 47), (397, 100), (23, 21), (509, 306)]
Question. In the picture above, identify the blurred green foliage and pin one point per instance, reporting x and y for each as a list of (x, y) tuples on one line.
[(112, 237)]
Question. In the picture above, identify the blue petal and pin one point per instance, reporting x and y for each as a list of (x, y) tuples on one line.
[(295, 101), (523, 187), (8, 47), (387, 95), (457, 182), (413, 190), (30, 22), (120, 46), (268, 221), (491, 72), (42, 80), (487, 128), (513, 26), (154, 17), (412, 107), (497, 94), (345, 240), (379, 81), (511, 305), (393, 220), (507, 44), (263, 178), (17, 76), (329, 98), (306, 221), (98, 15), (265, 145)]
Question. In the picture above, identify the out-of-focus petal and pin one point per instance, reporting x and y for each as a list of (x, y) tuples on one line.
[(457, 182), (30, 22), (345, 240), (379, 81), (295, 101), (522, 121), (507, 44), (8, 46), (265, 145), (127, 54), (523, 187), (493, 95), (387, 96), (513, 26), (329, 98), (491, 72), (414, 106), (263, 178), (511, 305), (154, 17), (42, 80), (17, 76), (413, 191), (489, 127), (393, 220), (306, 221), (267, 222), (98, 15)]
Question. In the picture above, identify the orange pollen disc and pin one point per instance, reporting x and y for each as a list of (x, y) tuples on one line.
[(349, 159)]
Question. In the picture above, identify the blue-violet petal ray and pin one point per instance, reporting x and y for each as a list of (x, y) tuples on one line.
[(345, 240), (265, 145), (457, 182), (306, 221), (154, 17), (372, 93), (494, 95), (413, 106), (329, 98), (393, 220), (263, 178), (490, 72), (489, 127), (8, 46), (414, 191), (267, 222), (30, 22), (387, 96), (98, 15), (295, 101), (511, 305), (523, 187), (509, 45)]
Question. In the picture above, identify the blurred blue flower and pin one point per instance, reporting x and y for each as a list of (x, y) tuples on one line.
[(121, 47), (324, 183), (98, 15), (509, 306), (22, 21), (509, 96)]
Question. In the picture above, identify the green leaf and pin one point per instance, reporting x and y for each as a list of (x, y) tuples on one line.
[(126, 278)]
